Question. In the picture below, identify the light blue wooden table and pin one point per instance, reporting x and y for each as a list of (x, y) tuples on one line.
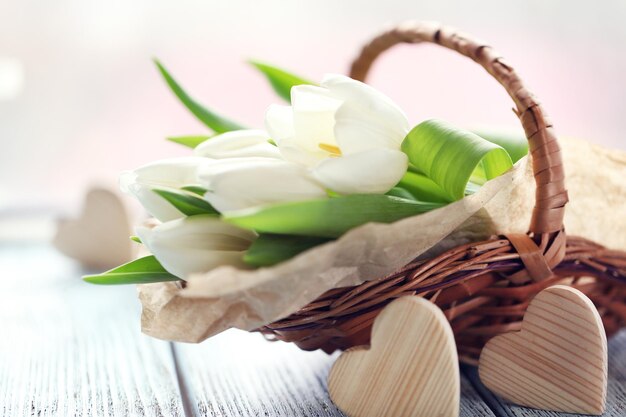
[(71, 349)]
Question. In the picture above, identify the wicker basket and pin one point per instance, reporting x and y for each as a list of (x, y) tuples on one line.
[(484, 288)]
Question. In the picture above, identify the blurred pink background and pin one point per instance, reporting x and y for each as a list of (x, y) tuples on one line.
[(80, 99)]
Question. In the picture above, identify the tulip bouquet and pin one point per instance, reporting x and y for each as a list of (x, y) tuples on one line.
[(341, 155)]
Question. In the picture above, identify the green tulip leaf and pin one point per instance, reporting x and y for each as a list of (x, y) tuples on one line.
[(140, 271), (515, 143), (401, 193), (329, 217), (270, 249), (281, 80), (423, 188), (449, 156), (216, 122), (190, 141), (196, 189), (189, 205)]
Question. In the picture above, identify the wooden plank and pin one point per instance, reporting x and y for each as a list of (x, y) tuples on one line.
[(472, 404), (241, 374), (67, 348), (71, 349), (616, 393)]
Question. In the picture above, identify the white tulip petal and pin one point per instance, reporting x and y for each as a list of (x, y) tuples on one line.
[(154, 204), (127, 180), (293, 153), (238, 143), (279, 122), (183, 264), (369, 172), (313, 116), (312, 98), (365, 103), (191, 233), (356, 133), (262, 184), (174, 172), (196, 244), (266, 150), (207, 172)]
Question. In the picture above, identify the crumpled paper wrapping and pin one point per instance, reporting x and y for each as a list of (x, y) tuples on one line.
[(227, 297)]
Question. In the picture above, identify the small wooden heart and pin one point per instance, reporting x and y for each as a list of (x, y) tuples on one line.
[(411, 368), (557, 361), (99, 238)]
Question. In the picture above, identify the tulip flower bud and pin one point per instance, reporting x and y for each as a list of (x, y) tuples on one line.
[(196, 244), (347, 132), (165, 174)]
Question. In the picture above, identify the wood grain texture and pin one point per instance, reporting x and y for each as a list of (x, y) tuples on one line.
[(472, 403), (241, 374), (557, 361), (410, 369), (52, 327), (71, 349), (616, 393)]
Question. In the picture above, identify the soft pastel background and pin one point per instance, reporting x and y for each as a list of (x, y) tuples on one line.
[(80, 99)]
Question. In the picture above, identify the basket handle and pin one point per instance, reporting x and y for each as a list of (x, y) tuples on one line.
[(550, 195)]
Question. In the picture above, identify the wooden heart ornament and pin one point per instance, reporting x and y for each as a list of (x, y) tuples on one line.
[(99, 237), (557, 361), (411, 368)]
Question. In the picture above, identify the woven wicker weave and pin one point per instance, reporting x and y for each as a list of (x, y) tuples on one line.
[(485, 287)]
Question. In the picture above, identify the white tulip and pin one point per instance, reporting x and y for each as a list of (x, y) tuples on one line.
[(238, 183), (347, 132), (196, 244), (164, 174), (238, 143)]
